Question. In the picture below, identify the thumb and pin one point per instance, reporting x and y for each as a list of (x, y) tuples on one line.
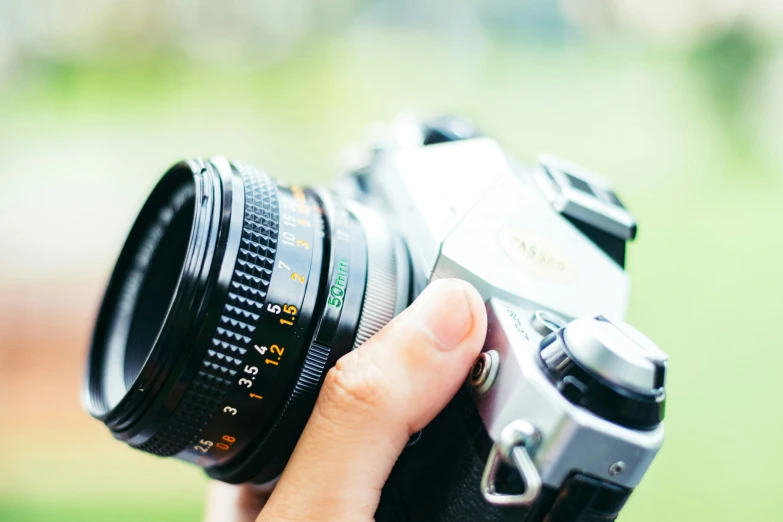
[(373, 400)]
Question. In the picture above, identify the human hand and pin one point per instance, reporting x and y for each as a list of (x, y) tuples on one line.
[(371, 402)]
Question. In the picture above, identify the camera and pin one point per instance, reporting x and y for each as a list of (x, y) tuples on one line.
[(234, 294)]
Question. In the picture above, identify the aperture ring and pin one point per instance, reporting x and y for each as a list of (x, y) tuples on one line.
[(232, 338), (380, 296)]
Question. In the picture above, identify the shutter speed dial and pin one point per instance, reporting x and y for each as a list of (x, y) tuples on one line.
[(609, 368), (618, 353)]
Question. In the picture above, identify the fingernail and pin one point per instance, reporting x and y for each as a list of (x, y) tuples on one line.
[(446, 309)]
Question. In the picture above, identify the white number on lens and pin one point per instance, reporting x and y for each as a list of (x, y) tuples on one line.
[(229, 409), (275, 309), (205, 445), (246, 383), (283, 265), (261, 349), (288, 238), (252, 370)]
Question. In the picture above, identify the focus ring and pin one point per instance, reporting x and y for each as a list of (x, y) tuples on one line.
[(232, 338)]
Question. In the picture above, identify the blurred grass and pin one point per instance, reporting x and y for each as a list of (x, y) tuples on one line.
[(117, 512), (85, 142)]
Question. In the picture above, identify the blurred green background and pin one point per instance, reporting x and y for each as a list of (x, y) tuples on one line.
[(680, 103)]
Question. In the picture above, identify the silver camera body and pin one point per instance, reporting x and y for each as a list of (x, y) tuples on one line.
[(544, 246)]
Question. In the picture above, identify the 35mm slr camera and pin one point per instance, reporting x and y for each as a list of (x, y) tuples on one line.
[(234, 295)]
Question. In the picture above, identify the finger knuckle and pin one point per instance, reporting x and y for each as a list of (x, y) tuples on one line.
[(355, 384)]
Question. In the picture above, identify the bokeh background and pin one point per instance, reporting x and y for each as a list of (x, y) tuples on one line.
[(680, 102)]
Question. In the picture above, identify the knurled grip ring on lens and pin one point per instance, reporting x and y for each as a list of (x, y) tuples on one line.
[(232, 338), (382, 286)]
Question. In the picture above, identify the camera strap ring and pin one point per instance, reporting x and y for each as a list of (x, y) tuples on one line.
[(517, 442)]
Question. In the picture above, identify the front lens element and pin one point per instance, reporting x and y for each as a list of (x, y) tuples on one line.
[(164, 258)]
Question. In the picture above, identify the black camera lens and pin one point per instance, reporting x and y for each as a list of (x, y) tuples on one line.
[(232, 297)]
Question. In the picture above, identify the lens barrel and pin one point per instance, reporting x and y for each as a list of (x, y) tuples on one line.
[(231, 299)]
